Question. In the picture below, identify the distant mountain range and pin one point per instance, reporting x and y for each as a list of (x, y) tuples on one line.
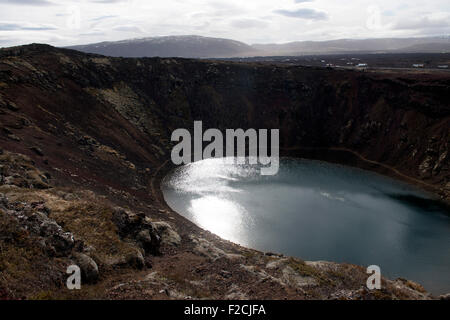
[(431, 44), (171, 46), (205, 47)]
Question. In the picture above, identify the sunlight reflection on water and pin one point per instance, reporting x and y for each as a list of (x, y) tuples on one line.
[(220, 216)]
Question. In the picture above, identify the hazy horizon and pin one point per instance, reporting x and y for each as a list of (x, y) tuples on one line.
[(199, 35), (262, 43)]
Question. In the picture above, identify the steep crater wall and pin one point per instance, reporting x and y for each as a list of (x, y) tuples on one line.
[(124, 110)]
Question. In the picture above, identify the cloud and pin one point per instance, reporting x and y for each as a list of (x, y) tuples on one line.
[(8, 26), (248, 23), (104, 17), (28, 2), (302, 1), (309, 14), (25, 36), (423, 23), (108, 1), (223, 9), (92, 34), (127, 28)]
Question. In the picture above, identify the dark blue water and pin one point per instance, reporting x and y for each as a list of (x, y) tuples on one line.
[(319, 211)]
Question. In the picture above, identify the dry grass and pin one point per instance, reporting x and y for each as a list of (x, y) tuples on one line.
[(304, 270)]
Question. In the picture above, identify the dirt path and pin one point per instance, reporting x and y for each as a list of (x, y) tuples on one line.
[(155, 192)]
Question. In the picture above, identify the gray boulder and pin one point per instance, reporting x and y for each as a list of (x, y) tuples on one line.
[(89, 268)]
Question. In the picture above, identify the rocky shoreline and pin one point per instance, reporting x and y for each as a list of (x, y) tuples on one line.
[(85, 144)]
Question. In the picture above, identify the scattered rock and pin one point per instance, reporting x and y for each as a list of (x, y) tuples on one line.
[(7, 130), (272, 254), (291, 277), (225, 274), (439, 163), (414, 290), (37, 150), (346, 294), (14, 137), (425, 167), (447, 186), (138, 228), (34, 218), (205, 248), (235, 293), (276, 264), (321, 265), (135, 259), (89, 268), (261, 274), (444, 296), (12, 106), (167, 234), (145, 240)]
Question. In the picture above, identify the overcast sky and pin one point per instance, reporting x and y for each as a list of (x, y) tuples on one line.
[(66, 22)]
